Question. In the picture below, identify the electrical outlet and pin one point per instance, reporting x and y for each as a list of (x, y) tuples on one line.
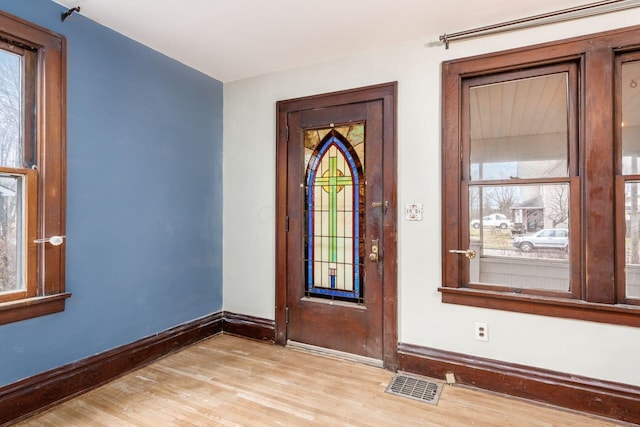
[(482, 331)]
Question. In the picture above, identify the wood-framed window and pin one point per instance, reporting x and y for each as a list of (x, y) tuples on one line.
[(32, 170), (541, 179)]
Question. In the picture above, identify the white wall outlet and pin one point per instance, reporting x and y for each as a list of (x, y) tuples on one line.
[(413, 211), (482, 331)]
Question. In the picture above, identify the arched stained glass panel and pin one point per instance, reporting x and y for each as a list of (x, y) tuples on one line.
[(334, 196)]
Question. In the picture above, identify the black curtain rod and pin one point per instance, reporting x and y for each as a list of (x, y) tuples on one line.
[(546, 18)]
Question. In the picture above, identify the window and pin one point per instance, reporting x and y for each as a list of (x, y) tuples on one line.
[(541, 179), (32, 170)]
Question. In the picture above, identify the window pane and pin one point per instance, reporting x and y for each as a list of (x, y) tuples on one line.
[(630, 117), (518, 129), (630, 166), (11, 121), (521, 233), (334, 215), (632, 239), (11, 232)]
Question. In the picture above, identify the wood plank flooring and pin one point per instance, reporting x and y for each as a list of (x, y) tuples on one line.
[(231, 381)]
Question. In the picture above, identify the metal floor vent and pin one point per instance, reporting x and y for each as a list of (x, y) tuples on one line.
[(415, 388)]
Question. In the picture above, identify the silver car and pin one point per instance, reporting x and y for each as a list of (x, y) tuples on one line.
[(497, 220), (554, 238)]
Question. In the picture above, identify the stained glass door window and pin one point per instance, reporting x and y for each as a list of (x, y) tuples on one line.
[(334, 194)]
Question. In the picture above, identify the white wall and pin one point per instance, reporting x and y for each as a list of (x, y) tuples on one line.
[(583, 348)]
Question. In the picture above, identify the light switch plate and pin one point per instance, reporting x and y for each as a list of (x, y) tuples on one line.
[(413, 211)]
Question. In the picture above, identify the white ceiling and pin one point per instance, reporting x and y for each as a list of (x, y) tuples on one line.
[(235, 39)]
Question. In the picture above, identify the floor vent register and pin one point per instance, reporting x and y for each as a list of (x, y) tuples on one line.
[(415, 388)]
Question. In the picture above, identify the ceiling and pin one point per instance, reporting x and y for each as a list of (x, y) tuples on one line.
[(235, 39)]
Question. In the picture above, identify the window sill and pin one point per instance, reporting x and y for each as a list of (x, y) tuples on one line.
[(628, 315), (28, 308)]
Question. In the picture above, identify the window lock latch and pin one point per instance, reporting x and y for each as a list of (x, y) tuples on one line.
[(54, 240), (469, 253)]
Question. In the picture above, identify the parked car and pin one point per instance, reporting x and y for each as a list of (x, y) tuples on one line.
[(496, 220), (555, 238)]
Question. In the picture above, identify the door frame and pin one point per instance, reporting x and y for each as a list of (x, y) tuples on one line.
[(387, 93)]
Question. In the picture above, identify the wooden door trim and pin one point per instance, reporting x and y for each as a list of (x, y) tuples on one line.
[(387, 93)]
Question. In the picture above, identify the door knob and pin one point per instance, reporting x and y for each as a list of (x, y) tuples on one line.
[(373, 256)]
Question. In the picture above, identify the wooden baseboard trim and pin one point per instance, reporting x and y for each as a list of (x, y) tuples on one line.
[(35, 393), (255, 328), (588, 395), (597, 397)]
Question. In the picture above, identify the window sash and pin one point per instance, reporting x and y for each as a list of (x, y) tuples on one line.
[(573, 256), (28, 250)]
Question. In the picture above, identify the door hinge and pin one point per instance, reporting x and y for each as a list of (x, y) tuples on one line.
[(286, 315), (286, 130), (286, 224)]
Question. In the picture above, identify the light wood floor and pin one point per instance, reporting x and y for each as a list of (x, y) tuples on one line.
[(230, 381)]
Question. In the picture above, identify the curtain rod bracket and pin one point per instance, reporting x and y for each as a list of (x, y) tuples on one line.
[(69, 12), (445, 39)]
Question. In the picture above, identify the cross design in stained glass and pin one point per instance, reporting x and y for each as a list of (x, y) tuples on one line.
[(333, 219)]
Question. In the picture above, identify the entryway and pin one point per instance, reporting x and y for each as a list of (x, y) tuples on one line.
[(336, 273)]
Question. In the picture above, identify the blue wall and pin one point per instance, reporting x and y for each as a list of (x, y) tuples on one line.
[(144, 198)]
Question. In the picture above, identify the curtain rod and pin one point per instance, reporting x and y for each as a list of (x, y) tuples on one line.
[(592, 9)]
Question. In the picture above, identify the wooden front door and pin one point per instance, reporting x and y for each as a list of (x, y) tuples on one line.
[(336, 237)]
